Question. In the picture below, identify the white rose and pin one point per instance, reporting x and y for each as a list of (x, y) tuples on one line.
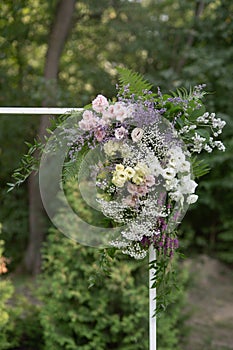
[(130, 172), (137, 134), (187, 185), (119, 178), (184, 166), (169, 173)]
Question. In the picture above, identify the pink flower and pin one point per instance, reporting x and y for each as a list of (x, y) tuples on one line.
[(142, 190), (120, 133), (133, 189), (88, 115), (99, 134), (150, 180), (120, 111), (100, 103), (85, 125), (137, 190), (109, 113), (89, 121), (130, 201)]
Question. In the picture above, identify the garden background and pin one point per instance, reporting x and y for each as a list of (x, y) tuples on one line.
[(63, 53)]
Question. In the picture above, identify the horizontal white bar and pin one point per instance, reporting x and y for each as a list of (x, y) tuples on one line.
[(38, 110)]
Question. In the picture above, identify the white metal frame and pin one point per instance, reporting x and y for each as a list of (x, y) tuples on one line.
[(38, 110), (152, 253)]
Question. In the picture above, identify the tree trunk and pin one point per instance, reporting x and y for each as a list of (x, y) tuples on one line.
[(37, 218), (200, 6)]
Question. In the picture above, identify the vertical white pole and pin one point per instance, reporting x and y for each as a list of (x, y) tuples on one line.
[(152, 300)]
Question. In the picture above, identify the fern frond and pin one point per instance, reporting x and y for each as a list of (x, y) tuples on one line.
[(200, 167), (71, 168), (183, 93), (135, 82)]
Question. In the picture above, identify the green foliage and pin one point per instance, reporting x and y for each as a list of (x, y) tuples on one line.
[(7, 312), (6, 324), (163, 40), (134, 82), (199, 167), (112, 314), (14, 205), (92, 301), (29, 163)]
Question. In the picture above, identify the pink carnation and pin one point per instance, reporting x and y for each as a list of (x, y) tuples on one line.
[(133, 189), (142, 190), (89, 121), (99, 134), (100, 103), (88, 115), (130, 201)]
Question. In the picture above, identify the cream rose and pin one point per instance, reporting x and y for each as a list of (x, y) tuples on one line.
[(137, 134)]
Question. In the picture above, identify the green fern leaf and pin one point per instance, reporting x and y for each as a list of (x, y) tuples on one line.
[(183, 93), (135, 82), (200, 167)]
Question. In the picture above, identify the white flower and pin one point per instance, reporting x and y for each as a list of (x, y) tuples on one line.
[(138, 179), (184, 167), (171, 184), (219, 145), (89, 121), (155, 166), (177, 196), (119, 167), (142, 169), (177, 154), (192, 198), (108, 114), (150, 180), (169, 173), (120, 133), (137, 134), (130, 172), (187, 185), (119, 178)]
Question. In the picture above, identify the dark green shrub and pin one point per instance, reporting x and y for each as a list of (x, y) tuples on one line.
[(112, 314), (7, 312)]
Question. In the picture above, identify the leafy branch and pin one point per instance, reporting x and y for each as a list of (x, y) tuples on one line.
[(29, 163)]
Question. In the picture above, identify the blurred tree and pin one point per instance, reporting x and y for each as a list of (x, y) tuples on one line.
[(57, 39), (173, 43)]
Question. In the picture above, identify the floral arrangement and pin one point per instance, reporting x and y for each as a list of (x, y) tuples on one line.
[(146, 176)]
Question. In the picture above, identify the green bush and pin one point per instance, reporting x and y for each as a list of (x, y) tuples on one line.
[(19, 320), (6, 310), (112, 314)]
